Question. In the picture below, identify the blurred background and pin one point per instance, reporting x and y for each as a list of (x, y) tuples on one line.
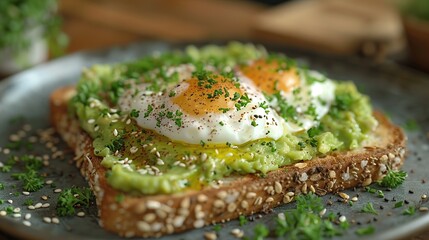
[(32, 32)]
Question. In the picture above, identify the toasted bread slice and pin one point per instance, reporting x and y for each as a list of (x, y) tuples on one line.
[(156, 215)]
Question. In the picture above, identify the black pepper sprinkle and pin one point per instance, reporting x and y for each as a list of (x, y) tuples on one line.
[(381, 207), (411, 192), (375, 219), (394, 199), (406, 202), (386, 200)]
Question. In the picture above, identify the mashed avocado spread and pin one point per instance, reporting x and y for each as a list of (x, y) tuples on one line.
[(141, 161)]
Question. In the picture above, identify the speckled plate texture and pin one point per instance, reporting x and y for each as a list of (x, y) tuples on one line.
[(402, 94)]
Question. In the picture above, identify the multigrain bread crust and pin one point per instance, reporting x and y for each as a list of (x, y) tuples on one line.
[(158, 215)]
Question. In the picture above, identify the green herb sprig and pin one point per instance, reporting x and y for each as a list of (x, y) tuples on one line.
[(73, 197), (393, 179)]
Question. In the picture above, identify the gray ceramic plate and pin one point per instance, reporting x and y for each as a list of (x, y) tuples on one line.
[(402, 94)]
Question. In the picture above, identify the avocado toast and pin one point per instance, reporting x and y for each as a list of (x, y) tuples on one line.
[(309, 160)]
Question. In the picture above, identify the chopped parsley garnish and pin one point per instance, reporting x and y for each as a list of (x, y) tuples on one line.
[(393, 178), (31, 179), (217, 228), (71, 198), (411, 210), (411, 125), (117, 144), (224, 110), (148, 111), (1, 186), (314, 131), (285, 110), (304, 222), (244, 100), (242, 220), (311, 110), (380, 194), (236, 96), (172, 94), (260, 231), (369, 208), (365, 230), (399, 204), (343, 102), (28, 202), (202, 143), (254, 123), (134, 113), (9, 210), (221, 123), (370, 189)]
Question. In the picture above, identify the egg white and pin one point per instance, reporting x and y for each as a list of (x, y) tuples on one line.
[(320, 94), (250, 123)]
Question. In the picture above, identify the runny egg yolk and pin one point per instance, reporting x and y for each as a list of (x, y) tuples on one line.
[(270, 76), (212, 95)]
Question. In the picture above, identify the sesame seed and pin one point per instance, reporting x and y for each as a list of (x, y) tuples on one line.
[(424, 196), (134, 149), (159, 161), (31, 207), (47, 219), (210, 236), (115, 132), (49, 182), (278, 187), (199, 223), (321, 213), (27, 216), (46, 205), (58, 190), (423, 209), (26, 223), (10, 201), (44, 197), (344, 196), (91, 121), (342, 218), (354, 199), (55, 220), (202, 198), (17, 210), (6, 151), (26, 193), (221, 194), (80, 214), (237, 233), (153, 204), (3, 213), (250, 195), (16, 215)]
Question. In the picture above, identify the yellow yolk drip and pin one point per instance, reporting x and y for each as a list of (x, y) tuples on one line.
[(202, 98), (270, 76)]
